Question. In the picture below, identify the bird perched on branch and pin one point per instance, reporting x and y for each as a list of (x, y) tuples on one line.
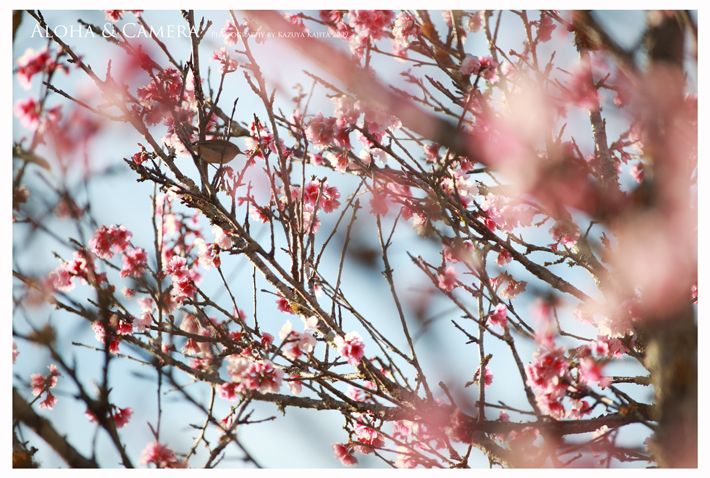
[(218, 151)]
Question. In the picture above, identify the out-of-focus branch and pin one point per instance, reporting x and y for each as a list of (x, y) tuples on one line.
[(672, 352), (42, 427), (585, 22)]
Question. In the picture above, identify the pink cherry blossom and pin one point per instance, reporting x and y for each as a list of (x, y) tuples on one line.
[(505, 213), (579, 409), (27, 110), (580, 90), (283, 305), (483, 65), (158, 454), (296, 20), (490, 224), (344, 453), (31, 63), (134, 263), (545, 331), (405, 26), (15, 352), (338, 161), (499, 316), (431, 152), (405, 458), (378, 202), (298, 343), (403, 428), (616, 326), (459, 188), (610, 347), (503, 258), (377, 122), (328, 196), (565, 234), (320, 131), (61, 279), (102, 242), (250, 375), (310, 323), (227, 63), (82, 266), (190, 324), (295, 385), (551, 404), (124, 327), (368, 436), (316, 158), (580, 314), (229, 391), (116, 15), (164, 90), (475, 21), (487, 376), (107, 238), (263, 376), (350, 347), (191, 347), (590, 370), (487, 68), (230, 33), (141, 156), (545, 28), (266, 339), (457, 251), (206, 254), (143, 322), (48, 402), (447, 280), (183, 283), (547, 370), (41, 384), (120, 416), (447, 16), (100, 334), (258, 214), (222, 239), (370, 23), (146, 304)]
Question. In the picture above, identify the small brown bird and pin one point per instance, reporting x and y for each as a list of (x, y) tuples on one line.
[(219, 151)]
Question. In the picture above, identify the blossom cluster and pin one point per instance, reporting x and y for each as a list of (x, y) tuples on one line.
[(480, 65), (505, 213), (350, 347), (111, 339), (248, 374), (33, 62), (120, 416), (183, 279), (296, 343), (552, 378), (162, 456), (42, 384), (208, 253)]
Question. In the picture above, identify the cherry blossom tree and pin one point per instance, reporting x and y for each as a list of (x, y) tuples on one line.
[(468, 239)]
